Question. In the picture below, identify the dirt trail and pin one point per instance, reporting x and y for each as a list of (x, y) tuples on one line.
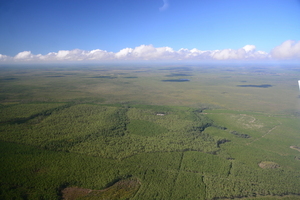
[(269, 131), (178, 171)]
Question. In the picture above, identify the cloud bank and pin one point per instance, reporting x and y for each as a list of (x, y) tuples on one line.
[(288, 50)]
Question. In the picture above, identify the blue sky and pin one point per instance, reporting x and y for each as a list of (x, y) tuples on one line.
[(45, 26)]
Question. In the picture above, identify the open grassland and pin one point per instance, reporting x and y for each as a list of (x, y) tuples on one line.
[(124, 132), (217, 86)]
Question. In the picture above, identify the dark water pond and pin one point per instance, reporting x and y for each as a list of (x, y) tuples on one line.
[(175, 75), (259, 86), (176, 80), (108, 77), (130, 77), (54, 76), (8, 79)]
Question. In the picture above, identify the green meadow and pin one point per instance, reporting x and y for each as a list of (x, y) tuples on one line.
[(149, 132)]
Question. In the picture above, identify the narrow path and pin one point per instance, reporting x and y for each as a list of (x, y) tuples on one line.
[(269, 131), (178, 171)]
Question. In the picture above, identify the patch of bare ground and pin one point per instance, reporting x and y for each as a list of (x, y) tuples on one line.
[(268, 165), (72, 193), (123, 189), (295, 148), (249, 121)]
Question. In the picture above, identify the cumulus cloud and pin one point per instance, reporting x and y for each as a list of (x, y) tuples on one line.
[(287, 50), (4, 58), (249, 48), (146, 52), (74, 55), (25, 55), (165, 5)]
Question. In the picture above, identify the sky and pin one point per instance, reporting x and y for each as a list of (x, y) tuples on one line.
[(147, 30)]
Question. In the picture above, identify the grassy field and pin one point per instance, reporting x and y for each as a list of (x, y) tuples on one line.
[(149, 132), (218, 86)]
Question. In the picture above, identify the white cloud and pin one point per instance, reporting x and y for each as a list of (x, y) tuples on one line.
[(225, 54), (25, 55), (76, 55), (100, 55), (4, 58), (287, 50), (249, 48), (145, 52), (124, 53), (165, 5), (62, 54)]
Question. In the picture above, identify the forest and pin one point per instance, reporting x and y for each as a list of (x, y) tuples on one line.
[(135, 132)]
